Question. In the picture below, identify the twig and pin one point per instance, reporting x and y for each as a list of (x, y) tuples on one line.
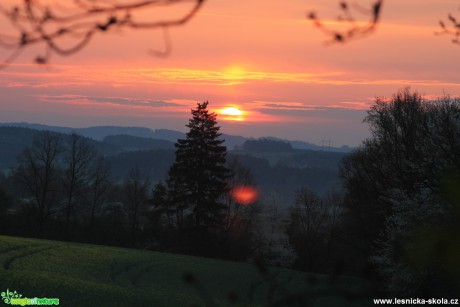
[(353, 29), (452, 27), (35, 23)]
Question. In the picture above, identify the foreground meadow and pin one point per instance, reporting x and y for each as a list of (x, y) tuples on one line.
[(90, 275)]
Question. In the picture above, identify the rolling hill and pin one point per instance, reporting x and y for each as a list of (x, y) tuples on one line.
[(89, 275)]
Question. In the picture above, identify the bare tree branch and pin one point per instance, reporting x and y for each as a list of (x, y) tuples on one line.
[(352, 28), (65, 28), (450, 27), (36, 23)]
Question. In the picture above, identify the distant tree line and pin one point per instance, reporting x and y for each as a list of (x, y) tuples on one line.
[(61, 188), (266, 145), (89, 197)]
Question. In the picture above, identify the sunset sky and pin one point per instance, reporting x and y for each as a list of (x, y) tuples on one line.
[(261, 57)]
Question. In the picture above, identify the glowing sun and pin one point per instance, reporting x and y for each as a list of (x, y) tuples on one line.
[(232, 113), (234, 72)]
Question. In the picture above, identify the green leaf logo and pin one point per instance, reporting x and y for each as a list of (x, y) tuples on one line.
[(7, 296)]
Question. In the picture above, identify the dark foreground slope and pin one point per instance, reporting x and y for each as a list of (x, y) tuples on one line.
[(89, 275)]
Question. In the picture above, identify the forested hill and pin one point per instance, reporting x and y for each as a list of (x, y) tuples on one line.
[(231, 141), (13, 140), (130, 143), (278, 171)]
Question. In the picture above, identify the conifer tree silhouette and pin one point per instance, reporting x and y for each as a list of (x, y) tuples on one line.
[(198, 179)]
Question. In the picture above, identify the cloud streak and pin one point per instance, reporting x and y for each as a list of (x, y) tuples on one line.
[(300, 106), (71, 76), (109, 101)]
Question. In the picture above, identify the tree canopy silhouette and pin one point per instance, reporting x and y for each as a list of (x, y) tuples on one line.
[(397, 199)]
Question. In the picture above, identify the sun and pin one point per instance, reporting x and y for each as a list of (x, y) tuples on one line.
[(234, 72), (232, 113)]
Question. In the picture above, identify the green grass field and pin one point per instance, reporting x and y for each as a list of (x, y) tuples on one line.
[(91, 275)]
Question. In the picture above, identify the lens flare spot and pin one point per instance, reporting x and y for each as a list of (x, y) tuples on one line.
[(244, 194)]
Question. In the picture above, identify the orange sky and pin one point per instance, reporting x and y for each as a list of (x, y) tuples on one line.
[(261, 56)]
